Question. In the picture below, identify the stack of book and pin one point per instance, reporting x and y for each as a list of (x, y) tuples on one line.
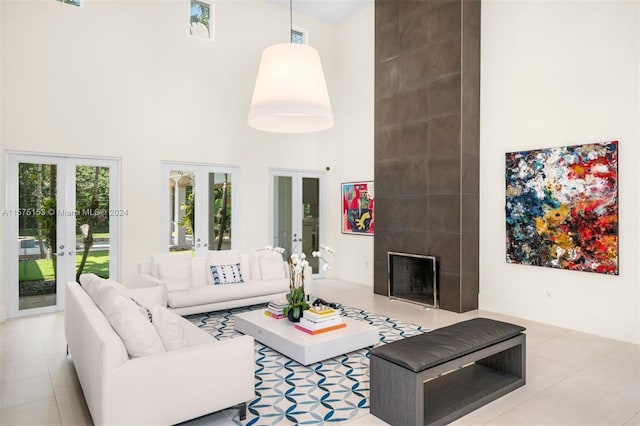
[(320, 320), (275, 308)]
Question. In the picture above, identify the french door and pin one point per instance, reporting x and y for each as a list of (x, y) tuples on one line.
[(296, 218), (62, 219), (199, 212)]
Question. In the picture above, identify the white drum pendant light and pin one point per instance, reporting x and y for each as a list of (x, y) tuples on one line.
[(290, 95)]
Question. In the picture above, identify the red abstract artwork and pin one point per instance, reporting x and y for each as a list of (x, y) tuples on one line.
[(357, 208)]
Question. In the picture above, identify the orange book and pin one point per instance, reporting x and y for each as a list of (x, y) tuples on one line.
[(321, 330)]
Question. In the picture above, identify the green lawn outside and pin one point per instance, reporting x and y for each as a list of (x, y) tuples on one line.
[(42, 269), (33, 232)]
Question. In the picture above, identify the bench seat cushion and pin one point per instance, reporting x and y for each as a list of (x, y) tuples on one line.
[(417, 353)]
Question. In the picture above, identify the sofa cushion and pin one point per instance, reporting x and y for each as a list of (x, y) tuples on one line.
[(222, 293), (176, 275), (199, 272), (226, 274), (137, 333), (245, 266), (256, 272), (271, 267), (170, 328), (223, 257), (158, 259)]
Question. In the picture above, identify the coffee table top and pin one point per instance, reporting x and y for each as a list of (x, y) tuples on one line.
[(282, 336)]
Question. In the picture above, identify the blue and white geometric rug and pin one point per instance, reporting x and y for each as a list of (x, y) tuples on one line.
[(332, 391)]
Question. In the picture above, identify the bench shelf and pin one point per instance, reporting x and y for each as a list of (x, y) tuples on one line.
[(455, 394)]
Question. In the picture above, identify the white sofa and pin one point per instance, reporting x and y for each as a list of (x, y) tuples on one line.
[(189, 282), (199, 376)]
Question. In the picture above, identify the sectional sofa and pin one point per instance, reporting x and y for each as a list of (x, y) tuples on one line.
[(140, 364)]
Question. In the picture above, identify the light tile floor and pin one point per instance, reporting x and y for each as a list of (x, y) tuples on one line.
[(573, 378)]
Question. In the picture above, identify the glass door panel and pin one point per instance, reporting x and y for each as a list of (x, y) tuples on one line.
[(220, 211), (92, 236), (282, 217), (311, 220), (37, 235), (182, 209)]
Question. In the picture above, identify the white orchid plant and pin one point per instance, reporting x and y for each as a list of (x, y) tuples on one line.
[(325, 254), (296, 297), (297, 265)]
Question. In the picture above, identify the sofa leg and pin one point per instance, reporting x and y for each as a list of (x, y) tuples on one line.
[(242, 411)]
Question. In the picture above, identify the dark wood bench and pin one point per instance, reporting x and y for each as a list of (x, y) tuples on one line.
[(437, 377)]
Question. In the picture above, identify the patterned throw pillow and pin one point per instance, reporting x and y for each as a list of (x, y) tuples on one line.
[(226, 274)]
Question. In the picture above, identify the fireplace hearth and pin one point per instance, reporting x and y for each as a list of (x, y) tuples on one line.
[(414, 278)]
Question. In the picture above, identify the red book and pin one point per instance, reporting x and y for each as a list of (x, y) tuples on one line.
[(321, 330)]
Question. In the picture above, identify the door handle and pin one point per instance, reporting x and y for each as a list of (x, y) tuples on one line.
[(59, 254)]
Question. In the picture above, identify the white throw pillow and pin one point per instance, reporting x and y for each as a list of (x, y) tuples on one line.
[(177, 275), (226, 274), (170, 328), (256, 270), (105, 292), (158, 259), (271, 268), (137, 333), (89, 283)]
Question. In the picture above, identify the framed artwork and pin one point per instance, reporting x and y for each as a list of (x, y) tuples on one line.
[(358, 208), (562, 207), (201, 22), (71, 2)]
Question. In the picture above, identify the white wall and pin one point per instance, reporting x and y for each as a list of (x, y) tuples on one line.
[(348, 148), (124, 79), (558, 73), (2, 166)]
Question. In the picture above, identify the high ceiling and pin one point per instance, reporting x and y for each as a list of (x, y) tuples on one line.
[(332, 11)]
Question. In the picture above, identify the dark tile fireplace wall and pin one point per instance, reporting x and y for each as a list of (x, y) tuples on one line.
[(427, 125)]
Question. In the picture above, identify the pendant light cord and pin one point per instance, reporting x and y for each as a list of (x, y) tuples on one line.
[(291, 21)]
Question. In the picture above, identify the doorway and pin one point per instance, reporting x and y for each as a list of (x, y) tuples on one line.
[(200, 211), (297, 222), (62, 220)]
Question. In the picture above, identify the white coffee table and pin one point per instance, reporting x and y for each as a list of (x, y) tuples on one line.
[(282, 336)]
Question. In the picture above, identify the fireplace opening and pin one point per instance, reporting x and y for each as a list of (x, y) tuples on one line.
[(414, 278)]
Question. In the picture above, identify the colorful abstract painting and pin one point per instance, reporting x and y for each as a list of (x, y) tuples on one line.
[(562, 207), (357, 208)]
